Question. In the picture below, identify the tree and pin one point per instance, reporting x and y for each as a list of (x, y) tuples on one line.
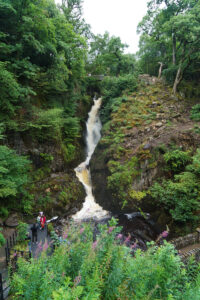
[(106, 56), (13, 173), (170, 34)]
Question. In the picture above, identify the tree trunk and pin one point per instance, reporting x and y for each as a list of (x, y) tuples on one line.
[(177, 79), (160, 70), (173, 49)]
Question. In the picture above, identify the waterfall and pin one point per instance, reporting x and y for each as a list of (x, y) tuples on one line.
[(90, 209)]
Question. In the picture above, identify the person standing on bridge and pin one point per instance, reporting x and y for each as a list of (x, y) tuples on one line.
[(34, 233), (42, 220)]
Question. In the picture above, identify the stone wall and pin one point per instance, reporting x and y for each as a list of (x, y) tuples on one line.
[(188, 245), (186, 240), (195, 252)]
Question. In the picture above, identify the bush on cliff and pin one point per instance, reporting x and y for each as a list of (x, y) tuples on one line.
[(81, 268), (13, 175), (181, 194), (112, 89)]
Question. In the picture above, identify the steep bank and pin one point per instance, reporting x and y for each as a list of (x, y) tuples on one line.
[(130, 157)]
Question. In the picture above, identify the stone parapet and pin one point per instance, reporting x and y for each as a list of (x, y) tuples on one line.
[(186, 240)]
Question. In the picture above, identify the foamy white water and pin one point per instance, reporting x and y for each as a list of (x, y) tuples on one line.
[(90, 209)]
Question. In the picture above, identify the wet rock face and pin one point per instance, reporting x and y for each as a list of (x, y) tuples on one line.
[(99, 173), (103, 195)]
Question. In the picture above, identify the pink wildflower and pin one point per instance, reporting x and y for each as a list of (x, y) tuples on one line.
[(15, 254), (110, 229), (127, 239), (134, 246), (65, 234), (81, 230), (46, 245), (164, 234), (119, 236), (94, 245), (39, 249)]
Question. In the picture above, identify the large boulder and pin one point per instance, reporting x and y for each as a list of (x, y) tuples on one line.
[(12, 221)]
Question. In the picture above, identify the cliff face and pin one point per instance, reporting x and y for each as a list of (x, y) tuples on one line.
[(54, 187), (129, 158)]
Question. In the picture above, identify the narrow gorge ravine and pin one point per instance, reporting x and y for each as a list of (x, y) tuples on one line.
[(138, 227), (90, 209)]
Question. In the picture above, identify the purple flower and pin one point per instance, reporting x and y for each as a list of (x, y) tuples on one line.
[(94, 245), (46, 245), (81, 230), (127, 239), (39, 249), (164, 234), (65, 235), (77, 280), (134, 246), (119, 236), (110, 229)]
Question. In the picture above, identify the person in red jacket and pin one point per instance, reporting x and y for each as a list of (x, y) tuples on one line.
[(42, 220)]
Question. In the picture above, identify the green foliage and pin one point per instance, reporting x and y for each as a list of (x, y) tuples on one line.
[(170, 35), (180, 197), (49, 123), (9, 92), (195, 165), (13, 172), (177, 159), (22, 230), (106, 56), (50, 228), (42, 70), (4, 212), (121, 178), (195, 112), (114, 89), (104, 269), (2, 239)]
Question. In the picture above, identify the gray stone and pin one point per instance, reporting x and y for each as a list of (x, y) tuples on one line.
[(12, 221), (159, 124), (147, 146)]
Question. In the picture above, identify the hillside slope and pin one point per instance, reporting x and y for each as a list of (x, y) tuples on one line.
[(146, 137)]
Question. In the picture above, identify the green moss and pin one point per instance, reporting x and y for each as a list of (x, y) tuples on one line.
[(136, 195)]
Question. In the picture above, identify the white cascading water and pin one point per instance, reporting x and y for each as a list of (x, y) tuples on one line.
[(90, 209)]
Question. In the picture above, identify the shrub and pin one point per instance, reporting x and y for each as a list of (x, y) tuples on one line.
[(81, 268), (177, 159), (195, 112), (48, 123), (4, 212), (22, 230), (112, 90), (195, 165), (181, 196), (121, 177), (2, 239), (13, 172)]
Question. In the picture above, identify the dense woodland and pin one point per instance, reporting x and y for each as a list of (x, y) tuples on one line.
[(48, 59)]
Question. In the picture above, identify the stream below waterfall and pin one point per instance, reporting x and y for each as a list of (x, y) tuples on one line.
[(138, 226)]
